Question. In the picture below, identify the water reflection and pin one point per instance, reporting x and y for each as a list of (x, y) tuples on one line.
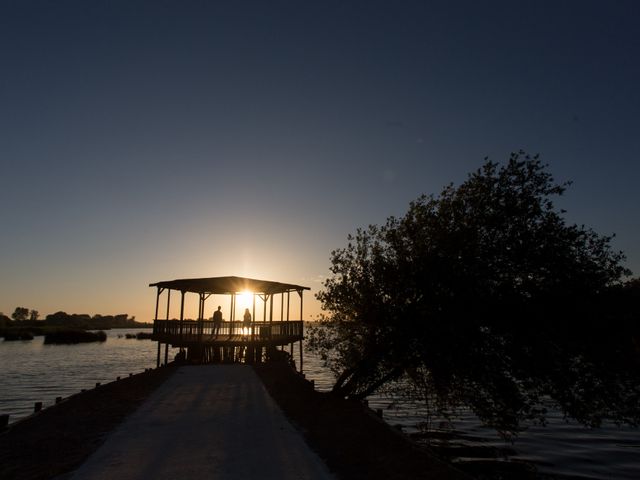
[(34, 372), (561, 448)]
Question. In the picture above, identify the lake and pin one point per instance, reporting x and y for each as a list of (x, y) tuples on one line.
[(32, 372)]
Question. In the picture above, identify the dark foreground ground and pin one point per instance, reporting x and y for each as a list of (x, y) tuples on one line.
[(348, 436), (60, 438), (353, 442)]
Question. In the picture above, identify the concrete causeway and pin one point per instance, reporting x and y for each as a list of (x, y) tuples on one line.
[(206, 422)]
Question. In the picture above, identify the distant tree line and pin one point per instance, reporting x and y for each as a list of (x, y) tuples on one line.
[(23, 317), (20, 314)]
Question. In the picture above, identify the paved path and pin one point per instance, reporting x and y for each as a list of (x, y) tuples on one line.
[(206, 422)]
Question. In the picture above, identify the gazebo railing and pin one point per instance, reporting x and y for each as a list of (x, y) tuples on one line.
[(206, 328)]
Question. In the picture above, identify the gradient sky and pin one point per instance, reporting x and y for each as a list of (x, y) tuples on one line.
[(147, 141)]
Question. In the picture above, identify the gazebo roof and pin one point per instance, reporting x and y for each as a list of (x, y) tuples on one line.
[(228, 285)]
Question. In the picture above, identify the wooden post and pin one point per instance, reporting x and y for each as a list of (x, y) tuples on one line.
[(233, 312), (200, 316), (204, 308), (155, 318), (300, 292), (181, 312), (166, 353), (158, 359), (168, 301), (167, 329), (265, 298), (288, 304), (157, 301), (253, 319), (271, 316)]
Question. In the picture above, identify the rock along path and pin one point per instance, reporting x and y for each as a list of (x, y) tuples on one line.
[(209, 421)]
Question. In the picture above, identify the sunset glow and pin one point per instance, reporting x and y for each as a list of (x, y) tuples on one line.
[(417, 214), (244, 300), (186, 170)]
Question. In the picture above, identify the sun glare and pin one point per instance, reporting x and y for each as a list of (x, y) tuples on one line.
[(244, 300)]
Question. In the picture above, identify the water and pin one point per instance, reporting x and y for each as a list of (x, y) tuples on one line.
[(560, 448), (32, 372)]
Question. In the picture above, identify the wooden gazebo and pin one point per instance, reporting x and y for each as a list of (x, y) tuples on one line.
[(199, 341)]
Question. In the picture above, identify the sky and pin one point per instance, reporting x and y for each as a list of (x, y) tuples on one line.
[(143, 141)]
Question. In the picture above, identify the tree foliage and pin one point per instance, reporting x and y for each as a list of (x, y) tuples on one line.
[(20, 314), (485, 296)]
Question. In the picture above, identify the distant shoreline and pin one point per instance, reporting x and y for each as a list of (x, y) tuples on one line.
[(63, 320), (27, 332)]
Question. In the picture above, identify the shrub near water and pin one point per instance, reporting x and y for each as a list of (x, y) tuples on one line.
[(75, 336), (11, 335), (139, 336)]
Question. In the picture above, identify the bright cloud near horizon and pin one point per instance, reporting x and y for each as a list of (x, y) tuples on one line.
[(144, 141)]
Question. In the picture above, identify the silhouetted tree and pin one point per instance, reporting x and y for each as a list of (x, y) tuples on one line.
[(484, 296), (20, 314), (33, 315), (58, 318)]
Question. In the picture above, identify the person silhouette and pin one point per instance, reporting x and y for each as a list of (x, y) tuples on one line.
[(217, 321), (246, 320)]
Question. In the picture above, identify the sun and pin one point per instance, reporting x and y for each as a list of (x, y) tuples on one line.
[(244, 300)]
